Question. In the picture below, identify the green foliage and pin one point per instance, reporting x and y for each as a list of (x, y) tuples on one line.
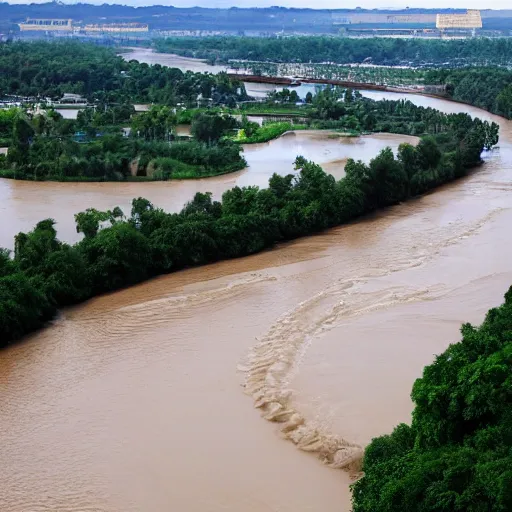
[(116, 257), (457, 454), (341, 50), (268, 131), (44, 69), (166, 168), (50, 156), (89, 222), (487, 88), (7, 118), (284, 96), (104, 115), (23, 307), (210, 127), (155, 124)]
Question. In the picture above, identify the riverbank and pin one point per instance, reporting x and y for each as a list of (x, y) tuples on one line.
[(180, 175)]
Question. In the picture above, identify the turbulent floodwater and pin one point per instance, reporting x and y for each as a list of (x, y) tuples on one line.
[(138, 400)]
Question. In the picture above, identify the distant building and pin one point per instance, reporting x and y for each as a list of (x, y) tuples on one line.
[(66, 25), (470, 20), (117, 28), (47, 25)]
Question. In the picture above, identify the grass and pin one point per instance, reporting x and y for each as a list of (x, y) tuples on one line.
[(207, 173), (268, 132), (344, 133), (278, 110)]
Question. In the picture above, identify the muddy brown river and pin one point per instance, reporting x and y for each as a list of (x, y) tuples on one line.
[(144, 399)]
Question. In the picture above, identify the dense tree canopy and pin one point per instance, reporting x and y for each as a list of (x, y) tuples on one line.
[(457, 454), (210, 127), (487, 88), (342, 50), (47, 147), (42, 69)]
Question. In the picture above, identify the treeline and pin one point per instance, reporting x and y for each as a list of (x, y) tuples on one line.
[(42, 69), (338, 108), (340, 50), (46, 147), (46, 274), (457, 454), (487, 88)]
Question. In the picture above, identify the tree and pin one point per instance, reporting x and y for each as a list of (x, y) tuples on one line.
[(140, 206), (239, 201), (428, 153), (457, 453), (22, 132), (23, 307), (249, 127), (89, 222), (389, 181), (156, 124), (203, 204), (209, 127), (117, 256)]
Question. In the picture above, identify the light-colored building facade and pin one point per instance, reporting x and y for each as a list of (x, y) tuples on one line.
[(59, 25), (471, 20), (117, 28)]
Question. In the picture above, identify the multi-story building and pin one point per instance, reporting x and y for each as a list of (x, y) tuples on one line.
[(47, 25)]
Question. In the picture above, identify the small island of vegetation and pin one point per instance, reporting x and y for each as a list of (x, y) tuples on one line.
[(48, 147)]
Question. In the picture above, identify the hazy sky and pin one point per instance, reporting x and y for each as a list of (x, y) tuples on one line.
[(317, 4)]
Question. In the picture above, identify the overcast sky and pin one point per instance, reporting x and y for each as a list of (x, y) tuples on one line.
[(317, 4)]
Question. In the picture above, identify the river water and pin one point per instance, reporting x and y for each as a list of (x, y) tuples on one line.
[(149, 56), (136, 400)]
